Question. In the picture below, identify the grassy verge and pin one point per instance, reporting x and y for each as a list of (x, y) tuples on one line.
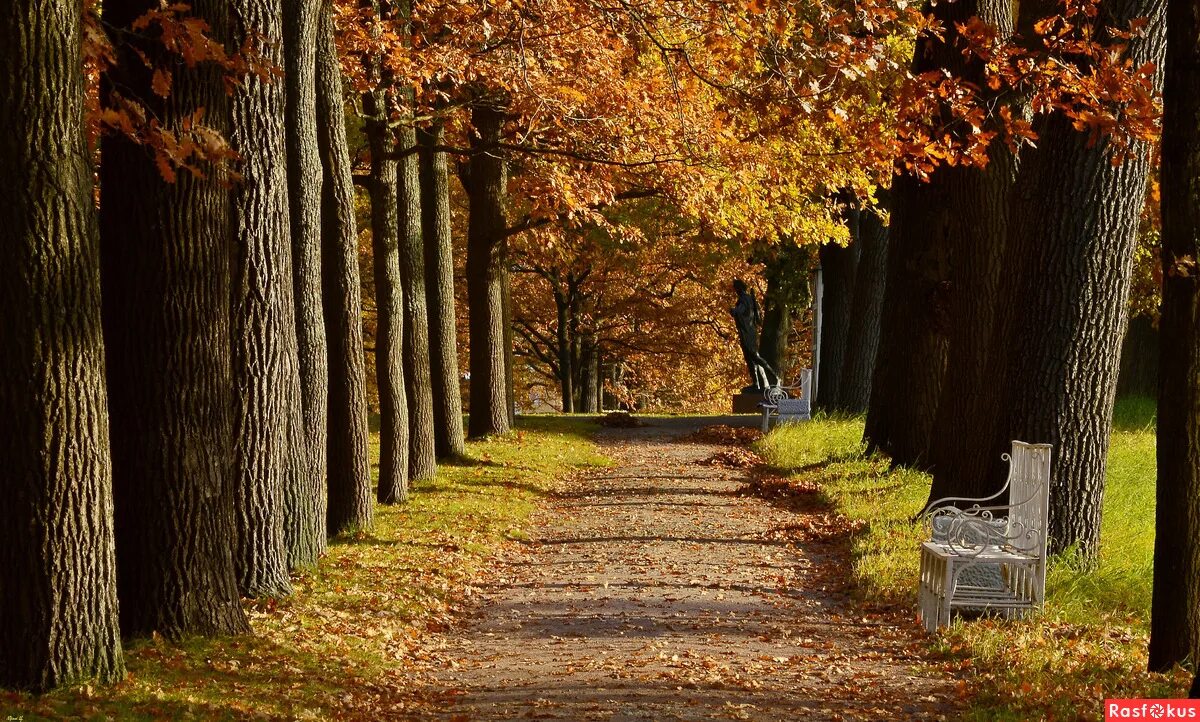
[(340, 646), (1090, 643)]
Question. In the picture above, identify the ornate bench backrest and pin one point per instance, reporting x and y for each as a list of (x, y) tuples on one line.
[(1028, 497)]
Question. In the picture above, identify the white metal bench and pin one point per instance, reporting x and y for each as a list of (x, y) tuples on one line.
[(989, 557), (779, 407)]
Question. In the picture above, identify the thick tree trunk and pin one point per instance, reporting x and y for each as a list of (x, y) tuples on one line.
[(968, 406), (389, 304), (911, 357), (1138, 375), (350, 503), (306, 495), (838, 268), (265, 358), (510, 390), (486, 185), (589, 375), (1072, 228), (862, 337), (422, 451), (58, 575), (166, 258), (436, 225), (1175, 612)]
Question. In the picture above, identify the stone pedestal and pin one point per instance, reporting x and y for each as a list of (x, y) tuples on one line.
[(747, 403)]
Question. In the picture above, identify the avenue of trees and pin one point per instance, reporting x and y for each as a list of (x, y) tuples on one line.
[(183, 363)]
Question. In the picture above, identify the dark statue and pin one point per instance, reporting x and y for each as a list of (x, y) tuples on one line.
[(746, 318)]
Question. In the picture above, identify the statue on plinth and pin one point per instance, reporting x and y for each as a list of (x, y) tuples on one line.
[(746, 317)]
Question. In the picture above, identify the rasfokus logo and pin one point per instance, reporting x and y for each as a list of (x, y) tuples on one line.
[(1151, 709)]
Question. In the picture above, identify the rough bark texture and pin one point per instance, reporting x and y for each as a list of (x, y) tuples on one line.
[(305, 495), (510, 391), (436, 226), (166, 257), (265, 358), (862, 337), (1139, 359), (838, 267), (389, 305), (1071, 234), (422, 452), (485, 181), (58, 577), (1175, 611), (907, 379), (350, 502)]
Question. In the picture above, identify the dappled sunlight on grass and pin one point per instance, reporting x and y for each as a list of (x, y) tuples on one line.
[(1091, 641), (340, 646)]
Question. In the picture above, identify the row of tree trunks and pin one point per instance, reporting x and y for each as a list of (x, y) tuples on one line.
[(349, 479), (485, 179), (167, 308), (58, 575), (1175, 611), (389, 298), (862, 335), (305, 503), (265, 362), (439, 273)]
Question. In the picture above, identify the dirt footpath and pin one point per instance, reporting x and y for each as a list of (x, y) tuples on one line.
[(653, 590)]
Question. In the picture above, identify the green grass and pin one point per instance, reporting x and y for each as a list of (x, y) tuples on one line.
[(338, 647), (1091, 641)]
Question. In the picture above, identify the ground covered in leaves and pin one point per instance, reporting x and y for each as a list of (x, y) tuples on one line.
[(347, 644), (663, 588)]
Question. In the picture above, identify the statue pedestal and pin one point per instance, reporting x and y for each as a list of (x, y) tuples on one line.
[(747, 403)]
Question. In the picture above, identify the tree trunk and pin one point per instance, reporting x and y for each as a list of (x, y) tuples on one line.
[(911, 357), (862, 336), (166, 260), (306, 496), (1138, 374), (422, 451), (389, 303), (265, 358), (968, 406), (486, 183), (1175, 612), (590, 373), (839, 266), (58, 607), (510, 391), (566, 370), (350, 506), (1072, 228), (436, 225)]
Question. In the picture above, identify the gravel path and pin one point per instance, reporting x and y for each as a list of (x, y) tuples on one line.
[(653, 590)]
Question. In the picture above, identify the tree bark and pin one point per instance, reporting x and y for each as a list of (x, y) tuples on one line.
[(437, 227), (1071, 234), (566, 370), (306, 495), (862, 336), (486, 185), (389, 303), (510, 391), (589, 373), (1175, 610), (839, 265), (1138, 374), (350, 507), (911, 357), (58, 576), (422, 450), (265, 357), (166, 251)]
